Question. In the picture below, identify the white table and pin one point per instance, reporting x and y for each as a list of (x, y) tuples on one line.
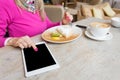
[(82, 59)]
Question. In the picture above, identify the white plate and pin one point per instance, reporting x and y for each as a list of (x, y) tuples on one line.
[(107, 37), (77, 32)]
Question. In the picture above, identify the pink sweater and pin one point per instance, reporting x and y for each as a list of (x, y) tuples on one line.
[(20, 22)]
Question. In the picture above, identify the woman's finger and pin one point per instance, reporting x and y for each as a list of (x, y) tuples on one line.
[(21, 46), (34, 47), (22, 42), (30, 43), (26, 45)]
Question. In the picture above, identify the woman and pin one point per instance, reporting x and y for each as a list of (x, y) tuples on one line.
[(23, 19)]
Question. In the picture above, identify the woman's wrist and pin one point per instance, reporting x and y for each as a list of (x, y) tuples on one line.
[(10, 41)]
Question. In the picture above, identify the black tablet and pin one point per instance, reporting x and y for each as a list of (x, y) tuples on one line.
[(40, 61)]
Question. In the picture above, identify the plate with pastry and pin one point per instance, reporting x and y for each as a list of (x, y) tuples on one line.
[(61, 34)]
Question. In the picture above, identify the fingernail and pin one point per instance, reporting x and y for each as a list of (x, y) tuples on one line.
[(36, 49)]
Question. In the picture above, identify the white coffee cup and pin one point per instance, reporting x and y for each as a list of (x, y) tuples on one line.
[(115, 21), (99, 29)]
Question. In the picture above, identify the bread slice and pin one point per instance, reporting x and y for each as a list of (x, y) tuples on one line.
[(65, 30)]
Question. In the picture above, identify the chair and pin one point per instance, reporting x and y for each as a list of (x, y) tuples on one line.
[(99, 11), (54, 12)]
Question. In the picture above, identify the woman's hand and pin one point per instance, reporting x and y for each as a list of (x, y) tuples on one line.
[(67, 18), (22, 42)]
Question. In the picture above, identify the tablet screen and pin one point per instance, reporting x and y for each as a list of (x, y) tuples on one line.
[(36, 60)]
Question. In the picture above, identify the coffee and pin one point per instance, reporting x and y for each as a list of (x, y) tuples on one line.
[(99, 24), (99, 29)]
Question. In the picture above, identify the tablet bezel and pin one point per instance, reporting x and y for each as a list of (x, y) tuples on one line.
[(40, 70)]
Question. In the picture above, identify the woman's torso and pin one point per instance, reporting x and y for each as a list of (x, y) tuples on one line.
[(22, 22)]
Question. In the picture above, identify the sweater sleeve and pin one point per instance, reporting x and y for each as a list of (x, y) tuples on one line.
[(3, 26), (4, 20)]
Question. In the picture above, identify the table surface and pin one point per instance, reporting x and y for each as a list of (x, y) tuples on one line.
[(82, 59)]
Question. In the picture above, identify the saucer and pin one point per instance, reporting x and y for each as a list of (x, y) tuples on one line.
[(106, 37)]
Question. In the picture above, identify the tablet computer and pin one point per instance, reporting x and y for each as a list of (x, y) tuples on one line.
[(40, 61)]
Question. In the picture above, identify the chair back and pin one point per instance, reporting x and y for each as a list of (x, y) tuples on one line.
[(54, 12)]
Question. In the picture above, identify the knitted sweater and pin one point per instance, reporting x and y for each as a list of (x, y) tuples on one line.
[(20, 22)]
